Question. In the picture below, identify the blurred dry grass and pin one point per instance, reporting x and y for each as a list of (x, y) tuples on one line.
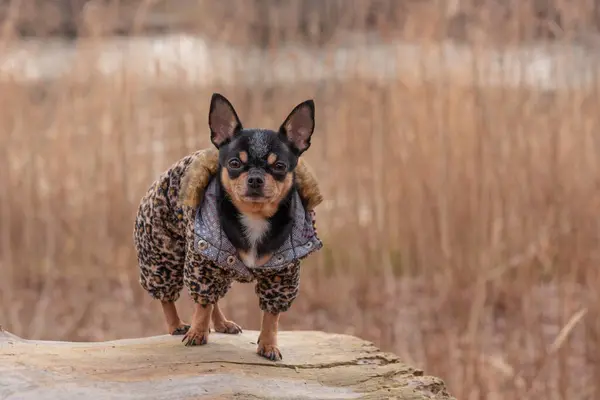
[(461, 223)]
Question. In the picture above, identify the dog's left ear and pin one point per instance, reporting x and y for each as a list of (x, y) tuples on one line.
[(298, 127)]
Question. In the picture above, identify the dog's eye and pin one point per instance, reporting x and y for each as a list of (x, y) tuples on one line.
[(234, 163), (279, 166)]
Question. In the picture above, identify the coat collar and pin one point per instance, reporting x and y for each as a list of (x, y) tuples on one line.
[(211, 241)]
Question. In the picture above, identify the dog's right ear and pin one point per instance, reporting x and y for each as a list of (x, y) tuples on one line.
[(223, 120)]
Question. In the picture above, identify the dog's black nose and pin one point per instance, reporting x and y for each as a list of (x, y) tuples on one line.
[(256, 182)]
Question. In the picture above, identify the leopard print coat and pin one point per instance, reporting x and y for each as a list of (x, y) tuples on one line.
[(180, 245)]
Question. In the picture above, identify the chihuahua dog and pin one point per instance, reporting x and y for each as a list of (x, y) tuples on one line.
[(242, 213)]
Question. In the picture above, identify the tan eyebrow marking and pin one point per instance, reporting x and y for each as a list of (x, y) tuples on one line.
[(243, 156), (272, 158)]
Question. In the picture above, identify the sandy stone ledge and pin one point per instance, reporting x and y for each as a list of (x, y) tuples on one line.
[(315, 365)]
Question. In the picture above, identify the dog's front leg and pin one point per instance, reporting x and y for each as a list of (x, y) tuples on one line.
[(267, 340), (276, 293), (198, 332)]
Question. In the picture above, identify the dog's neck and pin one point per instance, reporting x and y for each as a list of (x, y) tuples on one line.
[(253, 235)]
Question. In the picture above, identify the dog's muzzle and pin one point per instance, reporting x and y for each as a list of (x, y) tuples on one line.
[(255, 183)]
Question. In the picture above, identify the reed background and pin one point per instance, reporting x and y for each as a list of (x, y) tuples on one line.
[(461, 222)]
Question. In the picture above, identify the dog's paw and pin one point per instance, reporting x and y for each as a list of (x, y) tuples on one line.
[(269, 351), (179, 330), (194, 337), (228, 327)]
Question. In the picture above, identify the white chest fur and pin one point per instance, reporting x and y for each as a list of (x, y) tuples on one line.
[(254, 229)]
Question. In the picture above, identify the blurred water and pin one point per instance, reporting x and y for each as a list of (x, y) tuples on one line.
[(173, 59)]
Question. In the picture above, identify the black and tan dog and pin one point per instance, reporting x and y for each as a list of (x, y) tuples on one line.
[(241, 212)]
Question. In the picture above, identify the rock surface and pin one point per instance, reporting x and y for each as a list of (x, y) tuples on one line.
[(316, 365)]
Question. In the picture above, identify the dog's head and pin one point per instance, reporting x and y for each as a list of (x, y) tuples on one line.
[(257, 165)]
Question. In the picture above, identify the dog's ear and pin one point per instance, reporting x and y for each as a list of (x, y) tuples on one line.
[(298, 127), (223, 120)]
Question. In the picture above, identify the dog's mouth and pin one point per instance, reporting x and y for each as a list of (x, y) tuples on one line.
[(255, 195), (254, 198)]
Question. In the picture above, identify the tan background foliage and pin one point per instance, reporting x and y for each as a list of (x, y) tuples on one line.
[(461, 216)]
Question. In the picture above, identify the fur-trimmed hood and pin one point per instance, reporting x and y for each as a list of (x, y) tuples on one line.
[(205, 166)]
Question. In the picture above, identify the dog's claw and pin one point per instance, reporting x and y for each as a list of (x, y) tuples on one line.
[(181, 330), (270, 352), (229, 327), (195, 339)]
